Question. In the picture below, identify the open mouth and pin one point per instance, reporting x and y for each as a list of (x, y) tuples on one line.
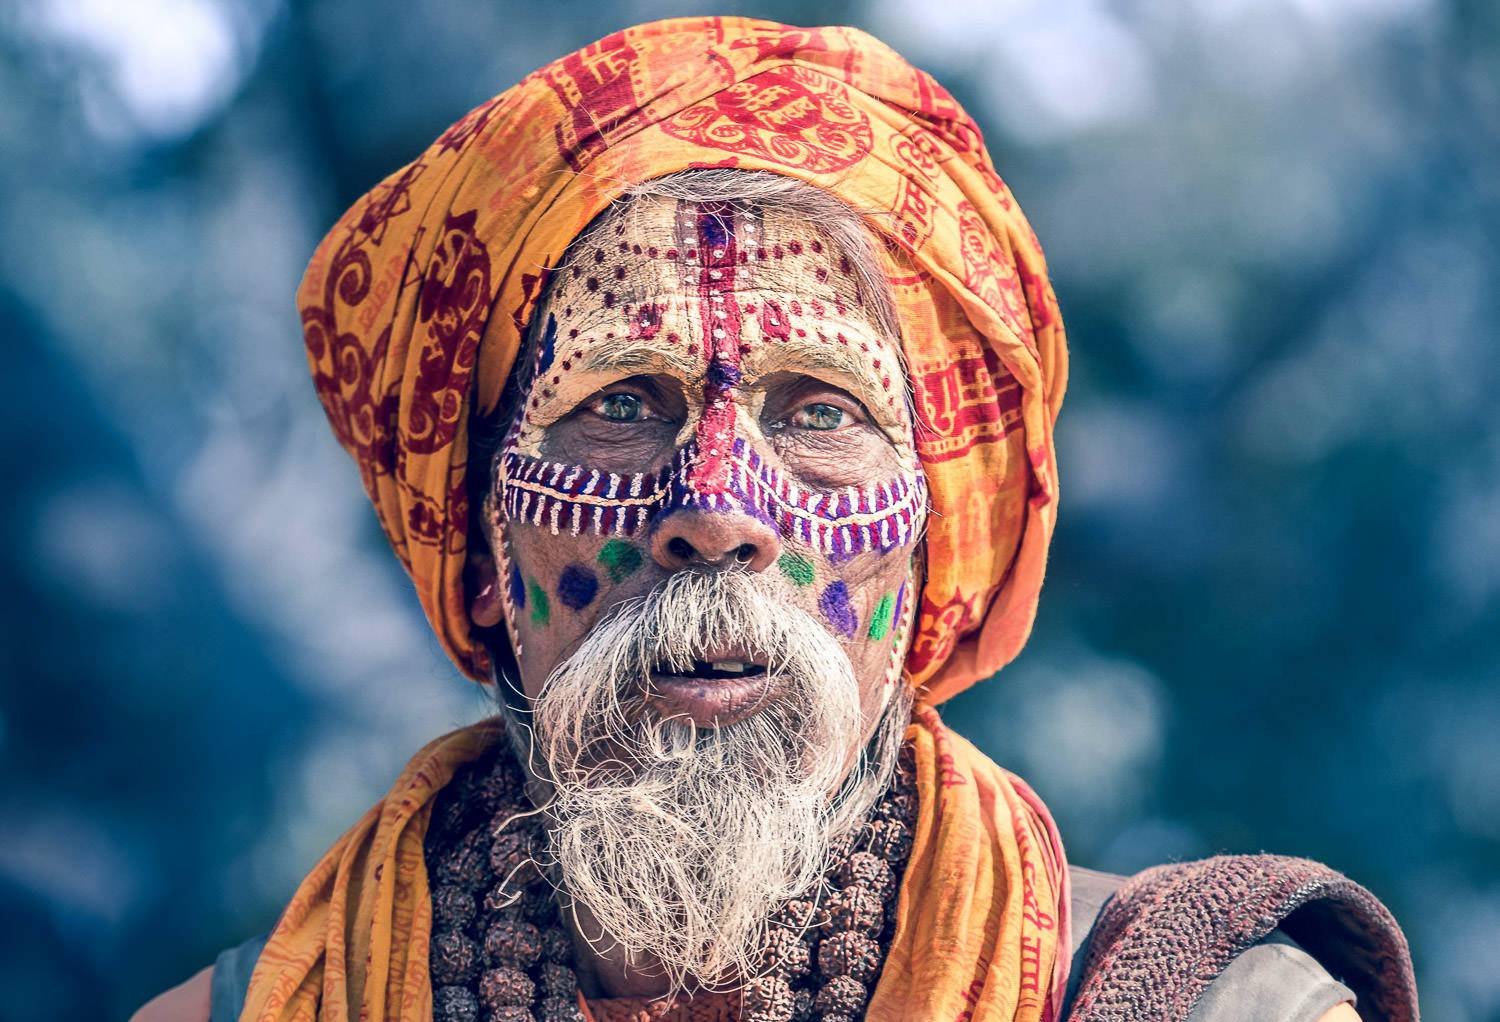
[(711, 692), (717, 670)]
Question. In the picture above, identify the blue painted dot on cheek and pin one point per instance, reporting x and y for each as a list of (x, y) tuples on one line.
[(517, 589), (577, 586), (834, 603)]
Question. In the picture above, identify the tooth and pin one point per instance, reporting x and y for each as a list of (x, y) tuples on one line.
[(730, 666)]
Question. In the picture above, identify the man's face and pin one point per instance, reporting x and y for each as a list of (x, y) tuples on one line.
[(706, 516), (711, 394)]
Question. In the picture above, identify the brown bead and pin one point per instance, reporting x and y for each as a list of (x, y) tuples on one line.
[(898, 805), (890, 840), (868, 871), (767, 999), (843, 846), (851, 954), (559, 1009), (466, 864), (557, 981), (510, 859), (454, 959), (452, 908), (510, 1013), (785, 951), (797, 914), (854, 908), (505, 987), (499, 789), (557, 946), (510, 942), (841, 996), (454, 1004)]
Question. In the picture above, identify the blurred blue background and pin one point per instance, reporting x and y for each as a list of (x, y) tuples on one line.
[(1271, 617)]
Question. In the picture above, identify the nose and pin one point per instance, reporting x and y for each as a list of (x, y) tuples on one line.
[(722, 539)]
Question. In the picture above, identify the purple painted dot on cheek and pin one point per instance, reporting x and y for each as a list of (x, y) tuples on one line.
[(834, 603), (577, 586)]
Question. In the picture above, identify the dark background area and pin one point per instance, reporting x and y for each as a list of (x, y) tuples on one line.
[(1272, 619)]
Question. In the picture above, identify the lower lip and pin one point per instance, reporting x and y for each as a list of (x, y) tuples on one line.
[(709, 702)]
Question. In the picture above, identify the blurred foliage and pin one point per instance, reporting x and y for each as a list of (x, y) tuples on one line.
[(1271, 616)]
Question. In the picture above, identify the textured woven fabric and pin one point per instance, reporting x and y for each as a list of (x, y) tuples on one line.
[(982, 912), (415, 304), (1169, 931)]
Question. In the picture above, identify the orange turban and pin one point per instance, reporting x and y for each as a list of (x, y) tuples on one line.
[(414, 309), (415, 304)]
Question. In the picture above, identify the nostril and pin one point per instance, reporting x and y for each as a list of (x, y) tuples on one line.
[(681, 549), (745, 553)]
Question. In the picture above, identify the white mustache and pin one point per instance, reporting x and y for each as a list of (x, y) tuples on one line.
[(683, 621)]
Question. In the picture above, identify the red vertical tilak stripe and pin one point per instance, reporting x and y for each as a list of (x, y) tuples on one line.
[(719, 310)]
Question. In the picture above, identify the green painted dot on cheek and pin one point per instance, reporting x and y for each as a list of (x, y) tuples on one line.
[(881, 617), (797, 568), (541, 607), (620, 559)]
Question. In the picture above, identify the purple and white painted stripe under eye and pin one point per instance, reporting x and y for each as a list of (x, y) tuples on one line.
[(840, 523)]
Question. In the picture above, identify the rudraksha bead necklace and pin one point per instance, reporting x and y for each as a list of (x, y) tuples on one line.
[(500, 952)]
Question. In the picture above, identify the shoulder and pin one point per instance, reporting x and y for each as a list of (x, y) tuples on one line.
[(187, 1002), (216, 994), (1234, 930)]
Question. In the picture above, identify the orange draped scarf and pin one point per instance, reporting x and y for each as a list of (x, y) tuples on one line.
[(981, 930), (414, 308)]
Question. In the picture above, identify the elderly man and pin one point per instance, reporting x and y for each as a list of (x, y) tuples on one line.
[(704, 383)]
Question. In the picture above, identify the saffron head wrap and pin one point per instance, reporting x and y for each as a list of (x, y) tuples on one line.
[(415, 305)]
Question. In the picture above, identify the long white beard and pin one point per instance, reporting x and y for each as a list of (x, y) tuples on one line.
[(682, 841)]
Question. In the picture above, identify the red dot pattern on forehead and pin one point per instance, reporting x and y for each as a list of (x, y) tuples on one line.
[(643, 255)]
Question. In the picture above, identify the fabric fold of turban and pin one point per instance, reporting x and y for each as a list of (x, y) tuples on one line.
[(415, 305)]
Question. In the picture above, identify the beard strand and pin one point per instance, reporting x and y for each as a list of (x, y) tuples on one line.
[(682, 841)]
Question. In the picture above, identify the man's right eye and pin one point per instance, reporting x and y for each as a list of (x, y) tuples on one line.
[(621, 407)]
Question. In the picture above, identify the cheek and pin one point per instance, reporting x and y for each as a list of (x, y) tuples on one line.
[(863, 601), (557, 587)]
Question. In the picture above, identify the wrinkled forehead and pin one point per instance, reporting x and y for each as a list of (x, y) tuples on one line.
[(666, 285)]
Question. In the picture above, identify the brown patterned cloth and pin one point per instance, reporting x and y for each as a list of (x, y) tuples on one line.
[(1170, 930)]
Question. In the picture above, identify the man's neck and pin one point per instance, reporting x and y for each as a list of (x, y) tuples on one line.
[(603, 967)]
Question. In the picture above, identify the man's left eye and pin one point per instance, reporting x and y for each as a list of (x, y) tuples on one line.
[(621, 408), (819, 416)]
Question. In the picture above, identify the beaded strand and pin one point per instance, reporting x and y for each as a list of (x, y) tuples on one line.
[(500, 952)]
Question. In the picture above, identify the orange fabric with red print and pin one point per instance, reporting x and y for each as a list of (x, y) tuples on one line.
[(415, 304), (981, 915)]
